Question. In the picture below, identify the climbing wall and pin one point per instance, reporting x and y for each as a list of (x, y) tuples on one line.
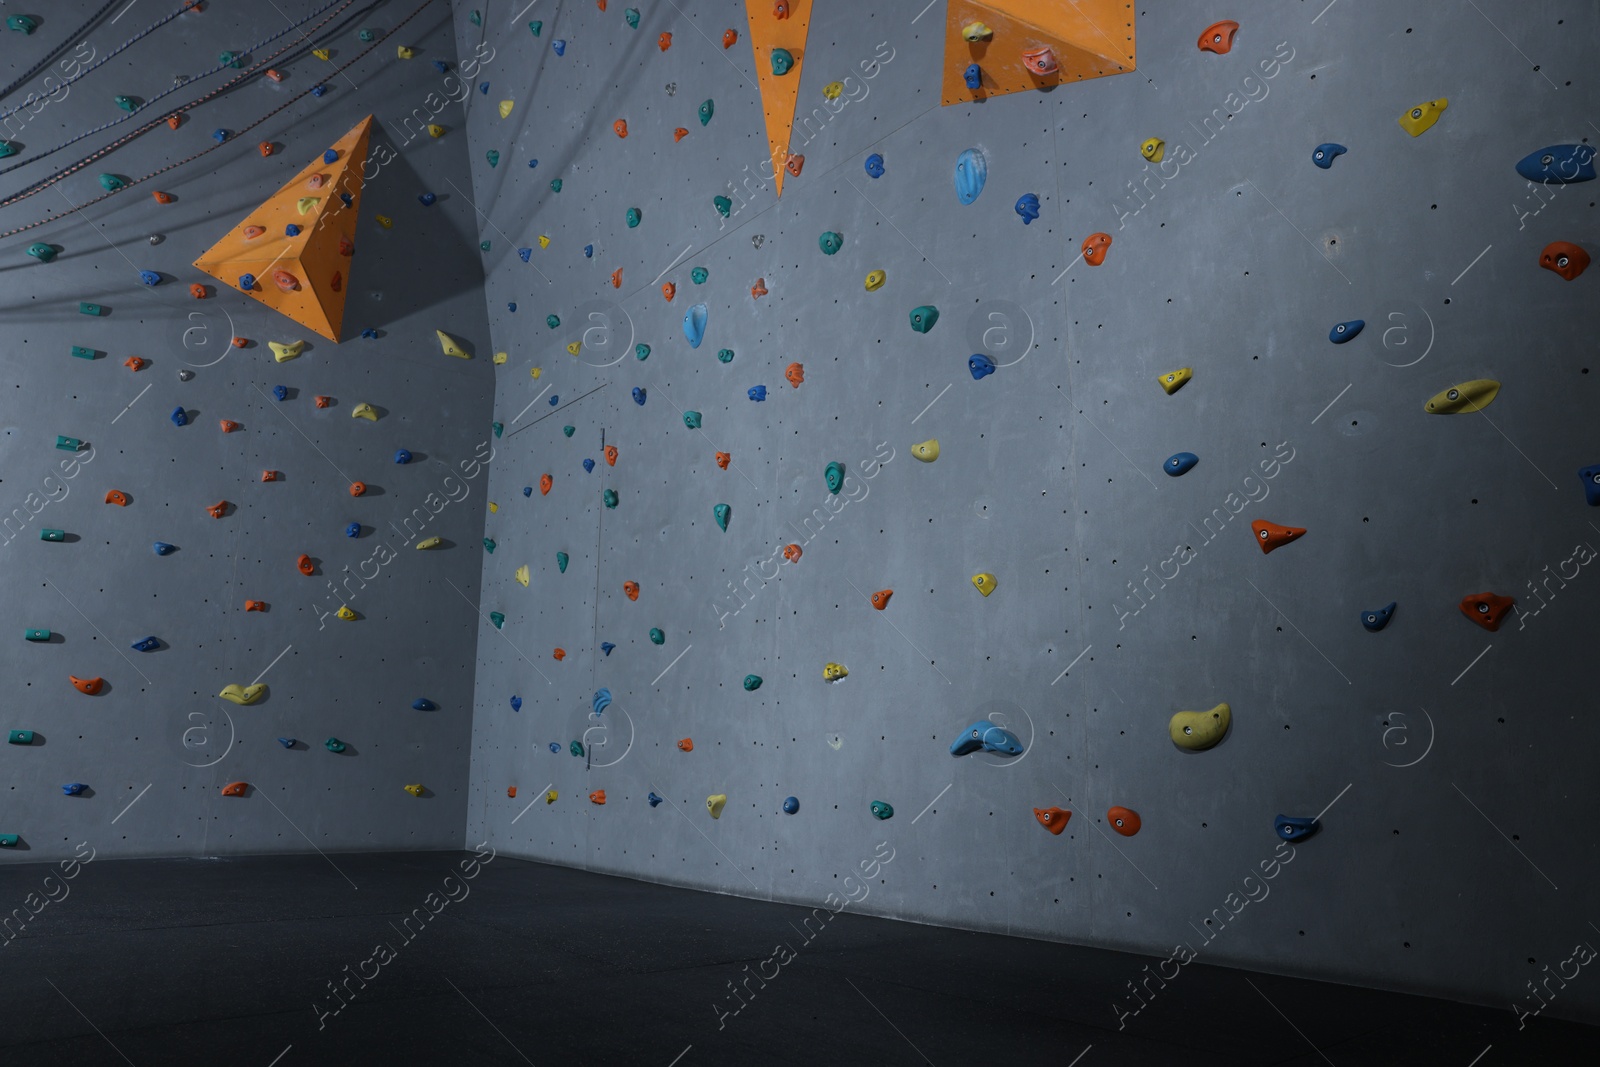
[(153, 744), (1101, 543)]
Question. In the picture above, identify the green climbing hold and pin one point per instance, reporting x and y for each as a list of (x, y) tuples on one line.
[(536, 26), (882, 810), (691, 419), (656, 636), (488, 545), (699, 275), (229, 59), (752, 682), (707, 109), (725, 355), (497, 427), (493, 157), (9, 840), (555, 185), (632, 15), (20, 737), (782, 61), (111, 183), (923, 318), (333, 744), (69, 444), (498, 618), (634, 217), (21, 23), (483, 246), (831, 242), (7, 149), (42, 252), (723, 512), (36, 635), (561, 561), (568, 430), (82, 353), (576, 748), (724, 205), (367, 35), (610, 498), (641, 351), (52, 535), (834, 476), (86, 308), (127, 103), (552, 321)]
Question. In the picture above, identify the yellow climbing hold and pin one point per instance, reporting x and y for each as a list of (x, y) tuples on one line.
[(522, 574), (406, 53), (1199, 730), (1173, 380), (345, 613), (385, 221), (499, 358), (832, 672), (414, 790), (435, 130), (320, 53), (283, 353), (1420, 119), (875, 281), (985, 582), (450, 346), (574, 347), (534, 371), (544, 242), (1153, 149), (550, 796), (364, 411), (493, 507), (832, 90), (927, 451), (307, 204), (505, 108), (430, 542), (976, 31), (242, 694), (714, 804)]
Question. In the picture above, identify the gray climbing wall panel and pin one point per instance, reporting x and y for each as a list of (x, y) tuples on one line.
[(1448, 764), (156, 745)]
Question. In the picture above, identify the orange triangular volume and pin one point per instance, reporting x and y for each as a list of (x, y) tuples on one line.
[(778, 93), (318, 257), (1090, 39)]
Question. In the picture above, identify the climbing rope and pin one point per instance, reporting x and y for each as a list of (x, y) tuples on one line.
[(51, 55), (189, 159)]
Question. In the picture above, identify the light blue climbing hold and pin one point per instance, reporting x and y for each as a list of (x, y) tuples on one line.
[(1295, 829), (1377, 620), (149, 277), (1179, 463), (1345, 331), (402, 456), (1327, 153), (791, 805), (974, 76), (148, 644), (602, 700), (498, 618), (493, 157), (606, 647), (180, 417), (723, 513), (1028, 207), (657, 637), (286, 742), (561, 561), (694, 324), (1560, 164), (588, 466), (280, 392), (560, 46), (985, 735), (73, 789), (654, 800), (972, 170), (353, 530), (424, 704), (758, 393), (874, 165), (691, 419), (588, 251), (516, 703), (641, 351), (724, 355), (161, 548), (980, 365)]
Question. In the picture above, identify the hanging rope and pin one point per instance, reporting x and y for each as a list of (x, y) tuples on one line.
[(51, 55)]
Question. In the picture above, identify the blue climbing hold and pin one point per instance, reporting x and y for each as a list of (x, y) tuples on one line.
[(161, 548), (555, 399), (247, 282), (1345, 331), (532, 163), (281, 392), (149, 644), (370, 333), (353, 530), (606, 647), (286, 742), (149, 277), (560, 46), (791, 805), (527, 490), (654, 800), (1028, 207), (180, 417), (980, 365), (1295, 829), (291, 230), (972, 170), (427, 199), (694, 324), (1180, 463), (402, 456), (330, 156), (1327, 153), (555, 747), (1377, 620), (588, 251), (1560, 164), (985, 735), (424, 704), (219, 135), (588, 466), (347, 200), (638, 395), (974, 76), (875, 166), (73, 789), (1591, 484), (483, 87), (318, 90), (516, 703), (525, 253), (511, 305), (758, 393), (602, 700), (439, 66)]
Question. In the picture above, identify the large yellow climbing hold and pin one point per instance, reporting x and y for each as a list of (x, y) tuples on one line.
[(414, 790), (1420, 119), (405, 53), (1173, 380), (505, 108), (499, 358), (544, 242), (283, 353), (985, 582), (307, 204), (714, 804), (364, 411), (973, 32), (832, 672), (430, 542), (574, 347), (1153, 149), (435, 130), (345, 613), (875, 280), (450, 346), (1199, 730), (242, 694), (927, 451), (522, 574)]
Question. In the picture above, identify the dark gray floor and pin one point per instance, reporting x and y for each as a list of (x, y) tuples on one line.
[(222, 961)]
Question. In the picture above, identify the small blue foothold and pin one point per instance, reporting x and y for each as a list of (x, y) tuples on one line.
[(402, 456), (758, 393), (1560, 164), (149, 277), (353, 530), (606, 647), (654, 800), (370, 332), (525, 254), (424, 704), (427, 199), (588, 466), (1344, 331), (281, 392), (511, 305), (1295, 829), (180, 417), (247, 282), (439, 66), (532, 163), (694, 325), (72, 789), (318, 90), (875, 165), (1028, 207), (602, 700), (1179, 463), (149, 644), (554, 400), (219, 135), (791, 805), (347, 200), (638, 395), (161, 548), (588, 251), (483, 87), (330, 156), (974, 76), (1327, 153), (1591, 484), (527, 490), (980, 365), (555, 747), (972, 170), (516, 703), (560, 46), (1377, 620), (286, 742), (291, 230)]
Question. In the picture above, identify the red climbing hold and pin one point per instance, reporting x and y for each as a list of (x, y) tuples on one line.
[(337, 282), (792, 553), (729, 37), (240, 342), (265, 148), (679, 134), (1124, 821), (1486, 609), (880, 599), (686, 745), (162, 198), (1269, 535), (306, 566), (759, 289), (273, 75), (228, 425), (255, 605), (252, 232), (198, 291), (669, 291), (117, 497), (1564, 258), (235, 789), (347, 247), (87, 685), (324, 401), (1218, 37), (511, 791), (134, 363), (621, 126), (217, 510), (285, 281), (611, 455), (631, 589), (358, 488), (559, 653), (794, 164), (780, 9), (723, 459), (1094, 248), (598, 796), (1052, 819), (173, 120), (545, 482), (616, 278), (664, 42)]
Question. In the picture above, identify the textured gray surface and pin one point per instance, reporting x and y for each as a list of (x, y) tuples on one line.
[(1439, 876), (158, 725)]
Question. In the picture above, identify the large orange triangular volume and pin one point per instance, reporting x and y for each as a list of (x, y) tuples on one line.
[(778, 92), (1090, 39), (323, 200)]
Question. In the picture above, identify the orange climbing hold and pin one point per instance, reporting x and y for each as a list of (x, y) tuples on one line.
[(1052, 819), (87, 685), (559, 654), (880, 599), (235, 789), (273, 75), (792, 553), (228, 425), (631, 589), (134, 363), (664, 42), (545, 482), (511, 791), (621, 126), (324, 401), (729, 38), (162, 198), (173, 120), (759, 289), (1218, 37), (723, 459), (1564, 258), (669, 290), (598, 796), (306, 566), (611, 455), (679, 134), (197, 291), (285, 281), (250, 233), (358, 488), (269, 476), (796, 373), (217, 510), (780, 9), (265, 148), (1269, 535), (1124, 821), (616, 278), (255, 605), (117, 497), (1486, 609), (1094, 248), (686, 745), (794, 163), (240, 342)]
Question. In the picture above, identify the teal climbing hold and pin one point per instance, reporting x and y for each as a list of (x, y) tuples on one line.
[(725, 355), (127, 103), (83, 353), (691, 419), (111, 183), (923, 318), (552, 321), (656, 636), (488, 545), (7, 149), (568, 430), (536, 26), (42, 252), (9, 840), (493, 157), (21, 23), (230, 59), (555, 185), (367, 35), (498, 618), (69, 444), (36, 635), (723, 512), (561, 561), (610, 498), (834, 476), (85, 308), (830, 242), (333, 744), (882, 810), (752, 682), (782, 61), (723, 204), (476, 18), (635, 216), (707, 109), (483, 246), (20, 737), (498, 428), (52, 535), (632, 17), (699, 275), (641, 351)]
